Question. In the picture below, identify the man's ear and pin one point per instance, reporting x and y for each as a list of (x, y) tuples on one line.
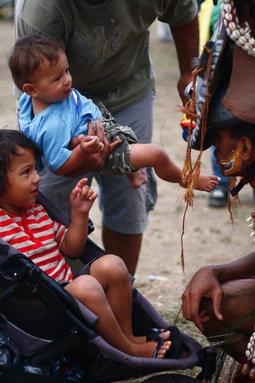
[(247, 148), (29, 89)]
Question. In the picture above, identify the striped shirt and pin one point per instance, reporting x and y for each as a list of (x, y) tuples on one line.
[(36, 235)]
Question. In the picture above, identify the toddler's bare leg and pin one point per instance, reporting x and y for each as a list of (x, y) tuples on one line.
[(112, 274), (90, 293)]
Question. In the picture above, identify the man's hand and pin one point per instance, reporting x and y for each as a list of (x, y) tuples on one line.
[(99, 131), (204, 284), (184, 80), (96, 160)]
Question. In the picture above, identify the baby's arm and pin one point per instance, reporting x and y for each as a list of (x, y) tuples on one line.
[(89, 152), (81, 199), (81, 149), (90, 144)]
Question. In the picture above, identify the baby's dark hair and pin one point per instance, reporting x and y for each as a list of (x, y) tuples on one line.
[(10, 141), (27, 54)]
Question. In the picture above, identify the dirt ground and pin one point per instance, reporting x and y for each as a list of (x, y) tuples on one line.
[(209, 237)]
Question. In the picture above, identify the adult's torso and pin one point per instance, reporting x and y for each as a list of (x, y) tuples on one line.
[(106, 44)]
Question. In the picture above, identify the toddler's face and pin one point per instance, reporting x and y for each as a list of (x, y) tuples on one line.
[(52, 83), (23, 182)]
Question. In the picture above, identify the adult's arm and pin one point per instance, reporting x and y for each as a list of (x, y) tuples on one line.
[(186, 38), (207, 283), (181, 15)]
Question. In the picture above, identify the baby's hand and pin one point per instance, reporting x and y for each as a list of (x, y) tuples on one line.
[(91, 144), (75, 141), (82, 197)]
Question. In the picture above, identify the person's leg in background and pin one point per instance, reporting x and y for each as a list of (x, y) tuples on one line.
[(219, 196), (124, 208)]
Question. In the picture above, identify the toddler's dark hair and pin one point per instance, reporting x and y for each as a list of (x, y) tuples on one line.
[(10, 141), (27, 54)]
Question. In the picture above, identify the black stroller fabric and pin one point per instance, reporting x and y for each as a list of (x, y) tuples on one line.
[(43, 323)]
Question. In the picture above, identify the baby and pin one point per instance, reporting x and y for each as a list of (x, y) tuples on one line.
[(57, 118)]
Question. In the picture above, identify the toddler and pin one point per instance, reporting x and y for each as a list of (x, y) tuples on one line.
[(103, 286)]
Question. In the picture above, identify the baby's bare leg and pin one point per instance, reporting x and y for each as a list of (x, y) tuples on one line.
[(142, 155), (152, 155), (207, 183), (138, 178)]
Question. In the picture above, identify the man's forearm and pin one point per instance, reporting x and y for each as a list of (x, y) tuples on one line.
[(186, 38), (240, 269)]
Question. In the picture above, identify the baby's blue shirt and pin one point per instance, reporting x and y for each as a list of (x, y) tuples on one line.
[(54, 127)]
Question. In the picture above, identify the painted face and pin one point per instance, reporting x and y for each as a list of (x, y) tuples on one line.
[(23, 182), (228, 153), (53, 82)]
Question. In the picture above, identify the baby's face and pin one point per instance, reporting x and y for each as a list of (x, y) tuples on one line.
[(53, 82)]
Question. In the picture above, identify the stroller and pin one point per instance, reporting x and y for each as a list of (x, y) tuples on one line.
[(48, 336)]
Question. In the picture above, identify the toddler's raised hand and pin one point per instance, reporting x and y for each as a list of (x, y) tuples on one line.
[(82, 197)]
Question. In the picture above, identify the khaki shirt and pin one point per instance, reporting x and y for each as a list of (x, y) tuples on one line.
[(107, 45)]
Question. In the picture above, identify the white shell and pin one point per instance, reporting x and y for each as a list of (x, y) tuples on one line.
[(242, 40), (227, 7), (232, 26), (228, 16)]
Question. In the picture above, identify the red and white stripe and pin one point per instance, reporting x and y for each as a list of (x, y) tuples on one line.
[(39, 238)]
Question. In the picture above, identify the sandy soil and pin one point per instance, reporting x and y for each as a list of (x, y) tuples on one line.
[(209, 237)]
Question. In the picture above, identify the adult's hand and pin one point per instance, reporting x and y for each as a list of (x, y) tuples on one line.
[(184, 80), (95, 161), (108, 147), (204, 284)]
